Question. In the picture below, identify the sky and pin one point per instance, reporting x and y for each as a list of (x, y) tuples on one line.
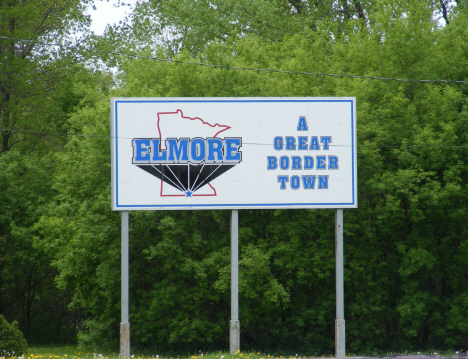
[(107, 13)]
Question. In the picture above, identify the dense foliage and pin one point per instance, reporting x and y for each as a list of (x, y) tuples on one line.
[(36, 97), (406, 245), (12, 342)]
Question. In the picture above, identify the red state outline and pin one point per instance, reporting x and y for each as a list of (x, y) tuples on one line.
[(191, 119)]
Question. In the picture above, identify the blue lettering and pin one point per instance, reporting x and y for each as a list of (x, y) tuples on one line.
[(272, 163), (141, 150), (283, 180), (302, 125), (321, 162), (295, 183), (284, 162), (183, 150), (197, 150), (302, 143), (323, 182), (232, 149), (290, 143), (178, 150), (296, 163), (332, 162), (215, 147), (325, 140), (308, 162), (157, 154), (308, 182), (278, 143), (314, 145)]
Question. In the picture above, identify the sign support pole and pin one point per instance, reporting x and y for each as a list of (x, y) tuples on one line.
[(124, 324), (340, 348), (234, 325)]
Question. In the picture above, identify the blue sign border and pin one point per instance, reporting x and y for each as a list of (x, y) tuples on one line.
[(117, 206)]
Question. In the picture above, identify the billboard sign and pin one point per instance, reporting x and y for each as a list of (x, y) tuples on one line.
[(233, 153)]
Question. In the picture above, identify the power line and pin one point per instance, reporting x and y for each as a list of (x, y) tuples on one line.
[(244, 143), (49, 133), (115, 53)]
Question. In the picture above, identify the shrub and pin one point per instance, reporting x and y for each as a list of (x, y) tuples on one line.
[(12, 342)]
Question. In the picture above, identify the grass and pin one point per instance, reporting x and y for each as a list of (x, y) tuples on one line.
[(54, 350), (67, 352), (73, 352)]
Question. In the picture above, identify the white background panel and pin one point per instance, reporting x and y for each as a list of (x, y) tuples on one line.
[(249, 184)]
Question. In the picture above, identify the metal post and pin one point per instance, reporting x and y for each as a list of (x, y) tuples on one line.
[(340, 347), (124, 324), (234, 325)]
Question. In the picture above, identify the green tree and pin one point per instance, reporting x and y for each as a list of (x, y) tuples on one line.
[(405, 246), (31, 71), (37, 95)]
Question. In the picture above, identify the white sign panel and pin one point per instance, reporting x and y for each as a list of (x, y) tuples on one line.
[(233, 153)]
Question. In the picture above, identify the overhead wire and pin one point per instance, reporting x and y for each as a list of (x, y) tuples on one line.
[(117, 53), (243, 143)]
